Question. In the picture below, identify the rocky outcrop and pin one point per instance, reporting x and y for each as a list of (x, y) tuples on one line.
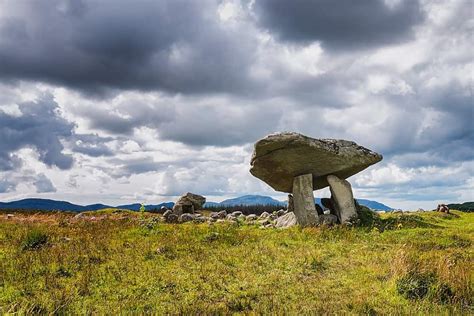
[(188, 203)]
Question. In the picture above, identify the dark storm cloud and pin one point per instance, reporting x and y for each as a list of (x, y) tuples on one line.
[(344, 24), (172, 45), (40, 127)]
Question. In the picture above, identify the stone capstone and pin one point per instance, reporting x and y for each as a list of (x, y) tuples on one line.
[(278, 158)]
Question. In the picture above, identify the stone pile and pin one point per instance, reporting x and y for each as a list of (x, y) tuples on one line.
[(297, 164)]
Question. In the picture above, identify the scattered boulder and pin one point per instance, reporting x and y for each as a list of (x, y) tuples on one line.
[(188, 203), (200, 219), (280, 212), (285, 221), (328, 219), (170, 217), (222, 214), (252, 217), (186, 217), (264, 215), (214, 215), (442, 208), (163, 209), (10, 216), (236, 213)]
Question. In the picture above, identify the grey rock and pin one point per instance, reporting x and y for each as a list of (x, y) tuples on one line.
[(214, 215), (11, 216), (303, 199), (278, 158), (236, 213), (341, 192), (264, 222), (280, 212), (220, 221), (252, 217), (170, 217), (201, 219), (285, 221), (273, 217), (222, 214), (212, 219), (188, 203), (328, 219), (80, 215), (186, 217), (163, 209), (264, 215)]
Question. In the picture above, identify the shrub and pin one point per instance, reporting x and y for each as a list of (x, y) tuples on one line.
[(34, 239)]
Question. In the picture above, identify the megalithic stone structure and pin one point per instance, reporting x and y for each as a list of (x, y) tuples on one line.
[(286, 161)]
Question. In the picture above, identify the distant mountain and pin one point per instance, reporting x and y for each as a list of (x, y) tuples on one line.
[(368, 203), (52, 205), (43, 205), (247, 200), (148, 207)]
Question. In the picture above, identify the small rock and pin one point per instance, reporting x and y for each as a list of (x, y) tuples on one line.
[(220, 221), (171, 218), (10, 216), (280, 212), (264, 215), (236, 213), (328, 219), (163, 209), (252, 217), (286, 220), (212, 219), (273, 217), (186, 217), (80, 215), (215, 215), (200, 219), (264, 222)]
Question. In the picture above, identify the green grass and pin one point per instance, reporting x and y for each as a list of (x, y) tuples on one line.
[(124, 262)]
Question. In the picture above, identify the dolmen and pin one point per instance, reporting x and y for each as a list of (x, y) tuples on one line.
[(298, 164)]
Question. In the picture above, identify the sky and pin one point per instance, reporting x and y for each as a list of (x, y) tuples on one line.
[(119, 101)]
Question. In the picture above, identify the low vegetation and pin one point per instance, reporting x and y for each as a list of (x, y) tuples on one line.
[(118, 261)]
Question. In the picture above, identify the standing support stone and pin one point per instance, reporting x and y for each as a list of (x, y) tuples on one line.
[(341, 192), (303, 200)]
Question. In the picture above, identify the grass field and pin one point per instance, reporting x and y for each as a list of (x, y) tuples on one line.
[(110, 262)]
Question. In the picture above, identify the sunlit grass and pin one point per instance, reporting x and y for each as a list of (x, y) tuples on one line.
[(109, 262)]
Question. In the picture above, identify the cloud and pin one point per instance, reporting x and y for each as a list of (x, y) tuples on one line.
[(342, 26), (99, 46), (43, 184), (39, 126)]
